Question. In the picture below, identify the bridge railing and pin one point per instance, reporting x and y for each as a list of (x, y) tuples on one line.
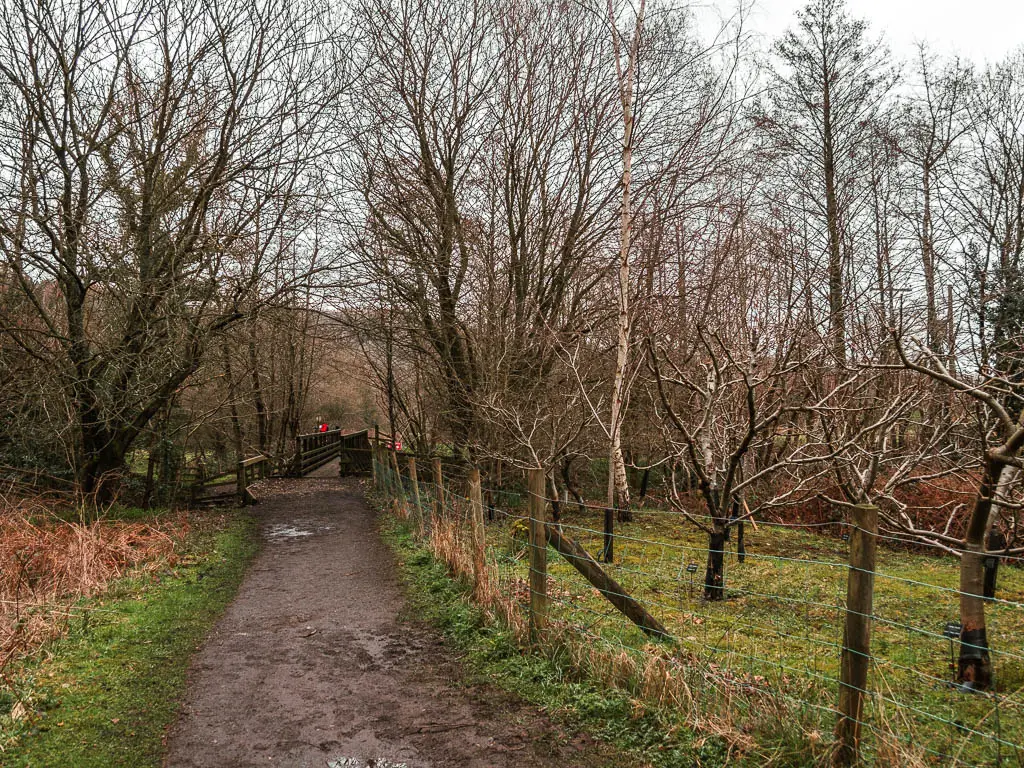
[(248, 472), (315, 449)]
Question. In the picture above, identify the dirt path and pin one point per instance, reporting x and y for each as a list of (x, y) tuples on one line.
[(313, 666)]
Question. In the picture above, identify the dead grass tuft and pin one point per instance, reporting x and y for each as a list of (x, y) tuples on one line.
[(46, 564)]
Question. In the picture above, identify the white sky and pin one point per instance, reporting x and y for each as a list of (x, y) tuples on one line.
[(978, 30)]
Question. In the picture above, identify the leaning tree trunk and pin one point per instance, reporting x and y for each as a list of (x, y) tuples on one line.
[(974, 667)]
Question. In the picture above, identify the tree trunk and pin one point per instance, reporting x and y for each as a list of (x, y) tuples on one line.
[(643, 483), (100, 475), (618, 485), (236, 422), (147, 494), (714, 576), (836, 308), (974, 667), (257, 396), (556, 505), (935, 334), (608, 549), (573, 491)]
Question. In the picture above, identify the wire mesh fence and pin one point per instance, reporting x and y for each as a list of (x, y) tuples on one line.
[(763, 663)]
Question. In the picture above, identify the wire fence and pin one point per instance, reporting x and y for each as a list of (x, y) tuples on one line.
[(762, 666)]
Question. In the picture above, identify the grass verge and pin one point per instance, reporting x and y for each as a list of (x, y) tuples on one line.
[(105, 693), (650, 735)]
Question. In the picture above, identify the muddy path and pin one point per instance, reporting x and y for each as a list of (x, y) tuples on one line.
[(314, 665)]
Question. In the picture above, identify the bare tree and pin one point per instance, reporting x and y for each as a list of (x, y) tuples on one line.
[(933, 123), (159, 157), (832, 82), (1000, 464)]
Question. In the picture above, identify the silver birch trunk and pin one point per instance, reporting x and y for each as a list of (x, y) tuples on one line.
[(618, 487)]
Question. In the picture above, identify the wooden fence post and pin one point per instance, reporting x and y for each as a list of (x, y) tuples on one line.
[(378, 480), (417, 504), (438, 489), (538, 557), (856, 654), (403, 510), (241, 487), (476, 510), (374, 471)]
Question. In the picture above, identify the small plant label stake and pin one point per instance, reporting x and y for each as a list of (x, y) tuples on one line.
[(691, 569), (952, 630)]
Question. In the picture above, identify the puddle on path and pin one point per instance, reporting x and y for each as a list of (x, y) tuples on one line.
[(286, 532), (296, 530)]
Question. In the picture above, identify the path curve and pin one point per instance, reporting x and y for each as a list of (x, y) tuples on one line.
[(312, 664)]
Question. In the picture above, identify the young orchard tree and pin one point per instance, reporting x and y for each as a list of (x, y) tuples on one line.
[(553, 421), (882, 446), (997, 490), (732, 389), (986, 215)]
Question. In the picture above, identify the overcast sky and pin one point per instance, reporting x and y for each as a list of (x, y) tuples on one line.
[(979, 30)]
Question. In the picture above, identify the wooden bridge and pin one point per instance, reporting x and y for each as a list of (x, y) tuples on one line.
[(312, 451)]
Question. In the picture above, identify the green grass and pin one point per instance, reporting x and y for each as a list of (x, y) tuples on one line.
[(781, 625), (105, 693), (646, 735), (777, 638)]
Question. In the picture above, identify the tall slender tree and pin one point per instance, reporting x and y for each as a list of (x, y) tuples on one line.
[(830, 82)]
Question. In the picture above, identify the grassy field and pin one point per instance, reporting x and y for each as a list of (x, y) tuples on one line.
[(778, 635), (104, 693)]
